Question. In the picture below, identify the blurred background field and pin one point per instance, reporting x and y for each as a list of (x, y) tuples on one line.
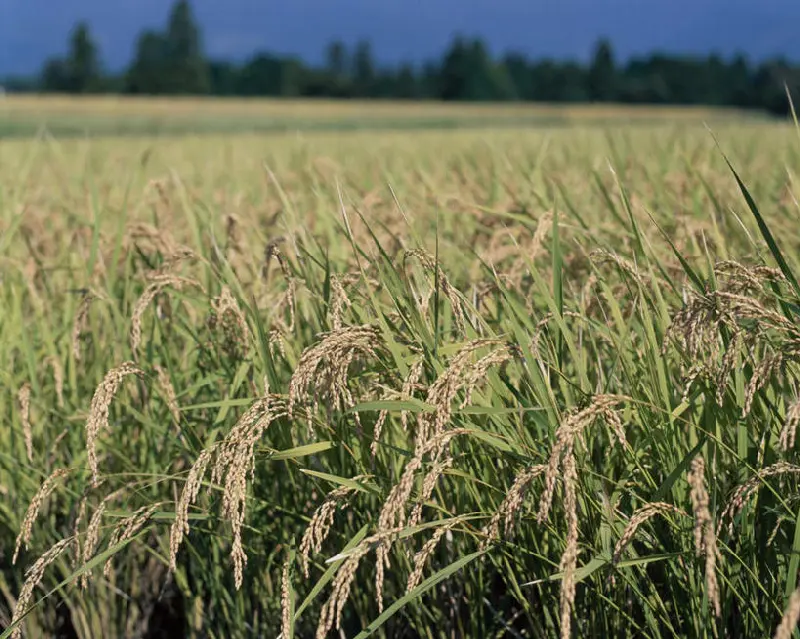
[(22, 115)]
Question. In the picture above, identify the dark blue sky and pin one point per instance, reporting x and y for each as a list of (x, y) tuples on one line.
[(31, 30)]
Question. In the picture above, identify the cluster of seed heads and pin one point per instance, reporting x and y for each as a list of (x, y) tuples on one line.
[(456, 301), (233, 463), (157, 285), (424, 554), (637, 519), (324, 366), (511, 504), (320, 525), (226, 313)]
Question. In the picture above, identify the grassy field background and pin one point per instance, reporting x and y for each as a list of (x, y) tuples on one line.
[(107, 115), (506, 382)]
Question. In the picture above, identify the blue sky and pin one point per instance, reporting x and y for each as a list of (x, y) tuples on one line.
[(31, 30)]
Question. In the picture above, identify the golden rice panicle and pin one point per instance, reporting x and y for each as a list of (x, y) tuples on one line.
[(477, 372), (76, 529), (98, 413), (382, 564), (393, 510), (511, 504), (639, 517), (543, 226), (762, 372), (566, 433), (286, 600), (235, 459), (743, 492), (324, 365), (409, 385), (421, 558), (339, 302), (92, 537), (430, 264), (705, 538), (603, 256), (32, 578), (58, 378), (79, 323), (428, 485), (331, 613), (320, 525), (276, 343), (790, 618), (227, 313), (29, 274), (700, 501), (24, 399), (128, 527), (169, 393), (47, 487), (188, 496), (378, 431), (792, 420), (157, 285), (444, 390), (569, 560), (273, 250), (740, 278), (695, 328)]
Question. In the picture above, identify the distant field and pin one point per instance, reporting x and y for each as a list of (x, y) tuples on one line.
[(26, 115), (506, 382)]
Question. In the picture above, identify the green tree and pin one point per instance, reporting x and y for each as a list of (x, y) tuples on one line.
[(363, 70), (336, 58), (147, 75), (186, 67), (224, 77), (83, 62), (54, 77), (602, 76), (337, 82), (270, 75), (406, 84), (469, 73)]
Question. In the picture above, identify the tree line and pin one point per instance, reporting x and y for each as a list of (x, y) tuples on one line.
[(173, 62)]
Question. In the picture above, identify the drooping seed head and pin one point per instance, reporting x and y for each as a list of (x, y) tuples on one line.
[(47, 487), (98, 414), (24, 399), (33, 576)]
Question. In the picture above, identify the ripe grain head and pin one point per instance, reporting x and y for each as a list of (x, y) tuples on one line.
[(24, 400), (98, 414), (47, 487), (33, 576)]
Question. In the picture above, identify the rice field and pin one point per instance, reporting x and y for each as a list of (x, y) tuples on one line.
[(27, 116), (501, 381)]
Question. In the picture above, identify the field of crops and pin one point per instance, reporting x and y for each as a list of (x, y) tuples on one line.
[(497, 382), (26, 116)]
